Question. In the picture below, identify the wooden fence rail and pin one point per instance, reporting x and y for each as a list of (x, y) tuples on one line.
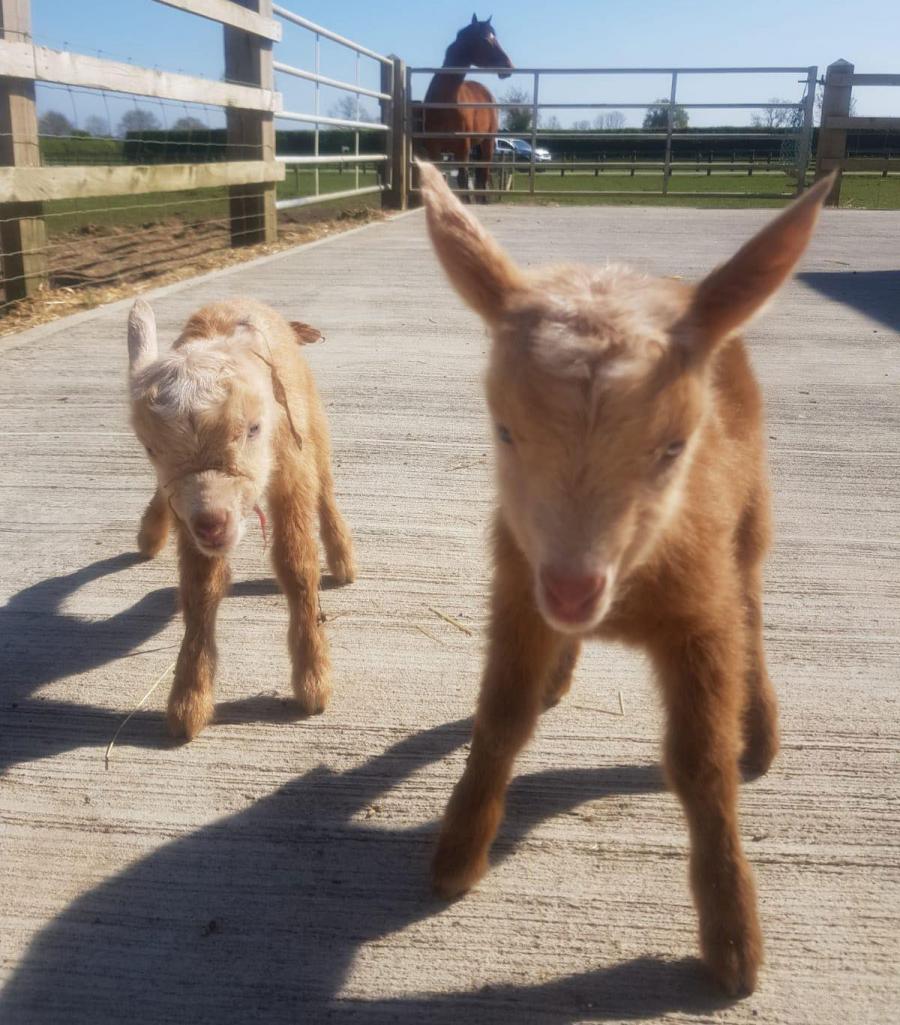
[(247, 94), (831, 153)]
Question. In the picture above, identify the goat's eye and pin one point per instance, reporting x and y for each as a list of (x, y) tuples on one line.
[(673, 449), (504, 435), (253, 430)]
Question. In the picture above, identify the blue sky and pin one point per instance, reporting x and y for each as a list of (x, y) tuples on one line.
[(533, 32)]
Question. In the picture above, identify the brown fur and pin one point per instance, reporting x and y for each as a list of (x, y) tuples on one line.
[(258, 432), (633, 506)]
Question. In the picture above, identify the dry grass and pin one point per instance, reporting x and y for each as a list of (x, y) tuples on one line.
[(50, 303)]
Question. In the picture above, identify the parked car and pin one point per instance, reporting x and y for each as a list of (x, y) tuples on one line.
[(520, 151)]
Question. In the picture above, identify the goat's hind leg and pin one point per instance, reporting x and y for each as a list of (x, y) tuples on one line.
[(155, 523), (761, 705), (296, 559), (559, 680), (334, 531)]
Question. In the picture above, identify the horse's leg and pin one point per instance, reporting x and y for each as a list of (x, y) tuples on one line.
[(483, 174), (463, 154)]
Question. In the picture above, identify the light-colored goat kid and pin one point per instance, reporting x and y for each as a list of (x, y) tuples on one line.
[(633, 506), (230, 417)]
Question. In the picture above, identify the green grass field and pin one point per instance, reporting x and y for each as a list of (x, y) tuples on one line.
[(859, 191)]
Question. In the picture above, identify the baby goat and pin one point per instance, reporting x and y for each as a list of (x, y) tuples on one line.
[(229, 417), (633, 506)]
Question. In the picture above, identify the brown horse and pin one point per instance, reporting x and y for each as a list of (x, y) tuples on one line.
[(476, 45)]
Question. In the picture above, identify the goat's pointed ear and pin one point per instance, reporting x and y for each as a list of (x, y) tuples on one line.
[(142, 345), (734, 292), (478, 268), (306, 334)]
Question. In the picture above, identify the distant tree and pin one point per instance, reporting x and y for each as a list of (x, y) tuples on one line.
[(552, 123), (820, 95), (138, 120), (96, 126), (517, 118), (54, 123), (612, 120), (581, 126), (657, 115), (772, 116), (346, 108), (189, 124)]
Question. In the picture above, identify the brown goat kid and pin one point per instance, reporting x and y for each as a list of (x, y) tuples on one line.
[(633, 506), (231, 417)]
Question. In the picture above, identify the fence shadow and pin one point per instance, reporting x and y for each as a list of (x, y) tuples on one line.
[(259, 916), (876, 293), (40, 643)]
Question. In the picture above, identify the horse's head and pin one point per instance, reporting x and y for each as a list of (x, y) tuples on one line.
[(477, 45)]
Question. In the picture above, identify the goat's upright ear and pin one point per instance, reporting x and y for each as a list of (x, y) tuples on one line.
[(734, 292), (143, 348), (476, 265)]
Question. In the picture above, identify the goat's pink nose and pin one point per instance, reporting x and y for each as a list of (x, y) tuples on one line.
[(572, 595), (211, 527)]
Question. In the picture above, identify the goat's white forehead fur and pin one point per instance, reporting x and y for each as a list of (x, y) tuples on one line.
[(191, 379), (595, 322)]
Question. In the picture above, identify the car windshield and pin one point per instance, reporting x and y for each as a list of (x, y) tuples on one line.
[(522, 146)]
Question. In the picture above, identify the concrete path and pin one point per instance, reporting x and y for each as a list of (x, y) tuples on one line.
[(275, 871)]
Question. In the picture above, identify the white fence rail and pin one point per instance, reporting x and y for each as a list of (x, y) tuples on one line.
[(357, 124)]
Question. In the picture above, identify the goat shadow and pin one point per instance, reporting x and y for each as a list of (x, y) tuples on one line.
[(40, 643), (876, 293), (259, 916)]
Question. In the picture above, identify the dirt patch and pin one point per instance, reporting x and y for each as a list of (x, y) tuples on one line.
[(93, 265)]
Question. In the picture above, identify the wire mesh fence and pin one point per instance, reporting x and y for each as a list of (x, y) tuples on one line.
[(93, 242)]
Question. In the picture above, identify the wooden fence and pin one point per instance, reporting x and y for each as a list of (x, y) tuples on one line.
[(247, 95), (831, 152), (251, 104)]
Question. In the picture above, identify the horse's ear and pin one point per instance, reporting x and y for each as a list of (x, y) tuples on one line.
[(489, 19), (479, 269), (474, 19)]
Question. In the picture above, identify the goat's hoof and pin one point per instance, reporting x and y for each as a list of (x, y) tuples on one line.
[(311, 691), (343, 570), (733, 953), (453, 873), (188, 713), (150, 544), (758, 755), (735, 970)]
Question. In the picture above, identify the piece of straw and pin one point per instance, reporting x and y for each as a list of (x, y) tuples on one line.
[(136, 708), (450, 620)]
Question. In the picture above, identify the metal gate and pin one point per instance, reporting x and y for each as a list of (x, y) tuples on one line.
[(799, 135)]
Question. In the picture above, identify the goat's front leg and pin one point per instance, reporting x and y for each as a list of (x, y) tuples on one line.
[(703, 682), (523, 653), (203, 584), (155, 522), (296, 559)]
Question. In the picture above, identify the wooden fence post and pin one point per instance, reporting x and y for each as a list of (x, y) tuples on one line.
[(23, 234), (393, 81), (251, 133), (833, 141)]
